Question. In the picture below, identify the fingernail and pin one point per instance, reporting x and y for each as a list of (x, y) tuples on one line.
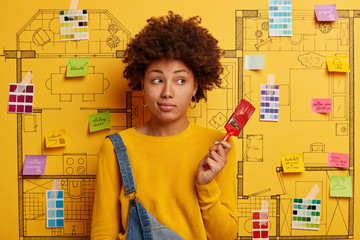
[(217, 142)]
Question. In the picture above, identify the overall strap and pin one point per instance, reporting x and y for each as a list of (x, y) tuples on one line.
[(124, 163)]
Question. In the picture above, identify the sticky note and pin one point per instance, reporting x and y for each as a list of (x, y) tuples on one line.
[(306, 214), (73, 24), (321, 105), (326, 12), (260, 225), (340, 186), (56, 138), (269, 102), (34, 165), (340, 160), (338, 63), (55, 208), (254, 62), (99, 121), (292, 162), (280, 18), (77, 67), (21, 98)]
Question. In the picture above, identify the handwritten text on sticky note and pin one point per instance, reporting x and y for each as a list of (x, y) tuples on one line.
[(254, 62), (326, 12), (56, 138), (34, 165), (340, 186), (77, 67), (338, 63), (293, 162), (340, 160), (321, 105), (99, 121)]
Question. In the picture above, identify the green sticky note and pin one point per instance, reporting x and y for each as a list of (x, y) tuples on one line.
[(99, 121), (340, 186), (77, 67)]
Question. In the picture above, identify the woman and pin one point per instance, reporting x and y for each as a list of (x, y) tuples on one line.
[(184, 174)]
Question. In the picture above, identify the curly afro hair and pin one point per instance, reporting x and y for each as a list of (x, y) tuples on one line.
[(172, 37)]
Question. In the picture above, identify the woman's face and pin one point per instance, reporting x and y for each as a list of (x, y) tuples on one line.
[(169, 86)]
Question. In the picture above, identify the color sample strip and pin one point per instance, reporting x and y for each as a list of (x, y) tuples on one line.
[(21, 97), (54, 208), (269, 102), (280, 18), (73, 25), (306, 214), (260, 225)]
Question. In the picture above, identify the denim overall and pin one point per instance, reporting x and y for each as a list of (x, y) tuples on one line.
[(141, 224)]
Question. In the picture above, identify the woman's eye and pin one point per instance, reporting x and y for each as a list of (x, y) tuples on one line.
[(181, 81), (156, 81)]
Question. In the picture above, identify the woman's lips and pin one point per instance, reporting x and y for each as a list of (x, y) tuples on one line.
[(166, 106)]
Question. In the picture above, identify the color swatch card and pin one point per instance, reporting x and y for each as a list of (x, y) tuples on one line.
[(56, 138), (269, 102), (254, 62), (321, 105), (34, 165), (340, 160), (21, 98), (99, 121), (73, 24), (280, 18), (338, 63), (292, 162), (260, 225), (340, 186), (326, 12), (306, 214), (77, 67), (54, 208)]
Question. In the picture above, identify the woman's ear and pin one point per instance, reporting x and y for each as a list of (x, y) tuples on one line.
[(195, 88)]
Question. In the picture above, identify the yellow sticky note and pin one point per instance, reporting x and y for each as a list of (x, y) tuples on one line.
[(56, 138), (338, 63), (292, 162)]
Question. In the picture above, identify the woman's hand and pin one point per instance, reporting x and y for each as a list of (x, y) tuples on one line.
[(215, 161)]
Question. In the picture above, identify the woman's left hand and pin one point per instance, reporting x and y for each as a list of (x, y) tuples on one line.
[(215, 161)]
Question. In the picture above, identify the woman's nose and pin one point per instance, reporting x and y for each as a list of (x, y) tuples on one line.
[(168, 91)]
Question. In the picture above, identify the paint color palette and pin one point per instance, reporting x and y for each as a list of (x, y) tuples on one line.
[(54, 208), (269, 102), (73, 25), (280, 18), (306, 214), (260, 225), (21, 98)]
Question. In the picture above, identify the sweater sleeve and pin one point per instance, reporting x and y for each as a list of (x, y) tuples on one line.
[(217, 201), (106, 209)]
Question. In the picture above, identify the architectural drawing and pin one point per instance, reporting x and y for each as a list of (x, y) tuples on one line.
[(302, 74)]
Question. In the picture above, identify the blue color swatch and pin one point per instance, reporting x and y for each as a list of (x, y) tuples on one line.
[(54, 208), (280, 18)]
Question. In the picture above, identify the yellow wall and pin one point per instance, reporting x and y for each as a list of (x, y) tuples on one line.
[(59, 107)]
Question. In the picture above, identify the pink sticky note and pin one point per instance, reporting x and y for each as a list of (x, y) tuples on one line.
[(34, 165), (321, 105), (340, 160), (326, 12)]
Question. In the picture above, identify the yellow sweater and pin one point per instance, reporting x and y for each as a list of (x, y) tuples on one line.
[(165, 172)]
